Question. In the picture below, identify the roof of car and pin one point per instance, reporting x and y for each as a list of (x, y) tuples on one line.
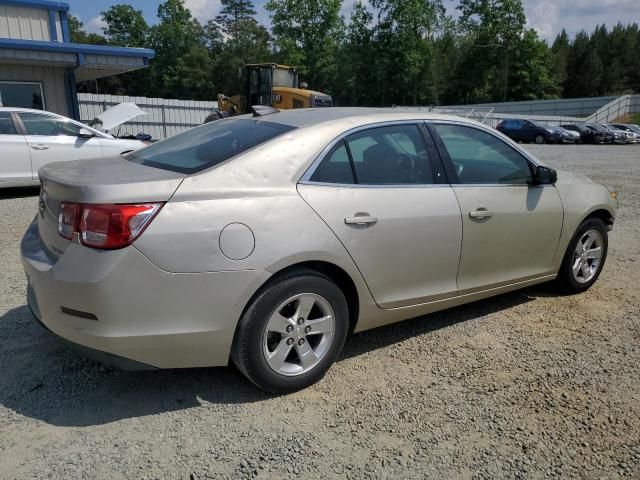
[(312, 116)]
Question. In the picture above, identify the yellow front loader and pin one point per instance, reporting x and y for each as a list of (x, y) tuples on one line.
[(270, 85)]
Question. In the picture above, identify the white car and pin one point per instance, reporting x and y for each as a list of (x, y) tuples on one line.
[(30, 139)]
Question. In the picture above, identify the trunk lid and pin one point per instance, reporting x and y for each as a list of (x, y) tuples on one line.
[(108, 180)]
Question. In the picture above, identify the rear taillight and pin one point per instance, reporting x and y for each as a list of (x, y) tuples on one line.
[(68, 219), (107, 227)]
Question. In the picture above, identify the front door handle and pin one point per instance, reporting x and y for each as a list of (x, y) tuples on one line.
[(361, 220), (40, 147), (481, 214)]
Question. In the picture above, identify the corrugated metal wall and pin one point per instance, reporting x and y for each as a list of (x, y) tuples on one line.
[(572, 107), (25, 23), (52, 79), (166, 117)]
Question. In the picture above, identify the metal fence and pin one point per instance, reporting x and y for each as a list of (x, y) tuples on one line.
[(168, 117), (572, 107), (621, 106), (165, 117)]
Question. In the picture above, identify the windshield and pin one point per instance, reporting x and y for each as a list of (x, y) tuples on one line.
[(207, 145), (597, 127), (284, 78)]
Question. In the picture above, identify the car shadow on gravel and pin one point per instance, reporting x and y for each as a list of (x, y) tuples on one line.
[(19, 192), (370, 340), (43, 379)]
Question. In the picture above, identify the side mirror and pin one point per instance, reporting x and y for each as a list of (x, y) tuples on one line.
[(545, 176), (85, 133)]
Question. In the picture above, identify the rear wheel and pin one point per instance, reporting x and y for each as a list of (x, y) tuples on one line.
[(585, 257), (292, 332)]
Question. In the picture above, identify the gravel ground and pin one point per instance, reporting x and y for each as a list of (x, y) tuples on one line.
[(525, 385)]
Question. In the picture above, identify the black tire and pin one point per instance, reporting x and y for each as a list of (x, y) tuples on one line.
[(247, 351), (539, 140), (566, 282)]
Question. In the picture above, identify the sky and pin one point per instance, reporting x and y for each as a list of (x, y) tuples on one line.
[(548, 17)]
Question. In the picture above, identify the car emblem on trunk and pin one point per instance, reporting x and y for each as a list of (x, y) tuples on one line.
[(42, 202)]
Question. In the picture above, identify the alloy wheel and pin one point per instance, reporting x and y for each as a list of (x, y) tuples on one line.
[(587, 256), (299, 334)]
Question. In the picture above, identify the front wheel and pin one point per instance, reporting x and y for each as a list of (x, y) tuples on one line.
[(292, 332), (539, 139), (584, 258)]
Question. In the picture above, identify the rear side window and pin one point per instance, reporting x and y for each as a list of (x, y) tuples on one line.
[(394, 155), (389, 155), (207, 145), (335, 168), (6, 124)]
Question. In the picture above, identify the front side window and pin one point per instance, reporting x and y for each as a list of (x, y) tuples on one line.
[(21, 95), (6, 124), (36, 124), (481, 158), (208, 145)]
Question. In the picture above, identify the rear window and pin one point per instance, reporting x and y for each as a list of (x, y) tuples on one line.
[(207, 145)]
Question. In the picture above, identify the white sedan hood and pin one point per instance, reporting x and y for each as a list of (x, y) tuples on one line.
[(115, 116)]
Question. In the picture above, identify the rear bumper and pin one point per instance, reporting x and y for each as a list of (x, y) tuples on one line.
[(119, 305), (97, 355)]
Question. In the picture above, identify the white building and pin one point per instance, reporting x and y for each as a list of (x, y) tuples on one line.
[(40, 67)]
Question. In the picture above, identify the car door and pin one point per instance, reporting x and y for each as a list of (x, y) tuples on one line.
[(15, 162), (383, 192), (55, 139), (516, 129), (511, 228)]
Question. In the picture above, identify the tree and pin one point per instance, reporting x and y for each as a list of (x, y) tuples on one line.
[(77, 34), (496, 26), (182, 59), (234, 15), (406, 31), (561, 49), (126, 27), (307, 34), (356, 68), (531, 73)]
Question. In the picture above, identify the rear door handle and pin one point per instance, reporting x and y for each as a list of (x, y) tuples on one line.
[(40, 147), (361, 220), (481, 214)]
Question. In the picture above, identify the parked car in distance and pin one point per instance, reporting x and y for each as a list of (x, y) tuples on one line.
[(266, 239), (29, 139), (631, 136), (587, 135), (567, 136), (611, 136), (529, 132)]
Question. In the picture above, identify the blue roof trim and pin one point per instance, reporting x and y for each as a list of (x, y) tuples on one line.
[(76, 48), (47, 4), (65, 27), (52, 25)]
